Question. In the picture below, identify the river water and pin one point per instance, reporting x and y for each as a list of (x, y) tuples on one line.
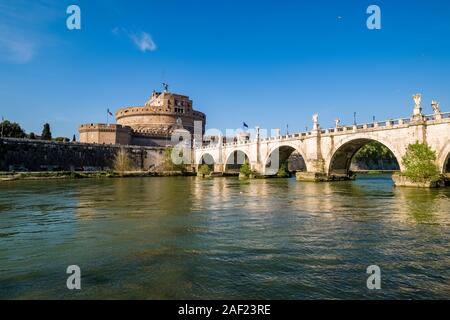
[(189, 238)]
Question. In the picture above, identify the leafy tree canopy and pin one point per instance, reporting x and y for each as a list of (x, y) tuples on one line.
[(283, 172), (11, 130), (204, 169), (46, 133), (374, 150), (245, 169), (419, 163)]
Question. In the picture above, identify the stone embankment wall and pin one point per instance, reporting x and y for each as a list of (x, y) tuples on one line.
[(37, 155)]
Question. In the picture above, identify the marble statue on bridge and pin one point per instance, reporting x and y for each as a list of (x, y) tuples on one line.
[(315, 119), (417, 112), (435, 106), (337, 123)]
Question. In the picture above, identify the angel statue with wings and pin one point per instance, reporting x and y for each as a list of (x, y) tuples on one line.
[(435, 106)]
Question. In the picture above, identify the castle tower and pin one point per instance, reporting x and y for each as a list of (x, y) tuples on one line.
[(154, 122)]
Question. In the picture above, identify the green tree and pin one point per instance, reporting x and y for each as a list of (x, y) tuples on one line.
[(283, 172), (46, 133), (245, 169), (32, 136), (420, 163), (374, 150), (74, 139), (204, 169), (375, 156), (11, 130)]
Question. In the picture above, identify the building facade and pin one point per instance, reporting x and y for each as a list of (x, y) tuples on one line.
[(163, 116)]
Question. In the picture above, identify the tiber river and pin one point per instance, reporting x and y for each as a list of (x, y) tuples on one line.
[(188, 238)]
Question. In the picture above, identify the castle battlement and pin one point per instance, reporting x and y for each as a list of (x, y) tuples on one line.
[(103, 126)]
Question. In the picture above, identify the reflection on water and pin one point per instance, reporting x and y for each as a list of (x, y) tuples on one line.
[(177, 238)]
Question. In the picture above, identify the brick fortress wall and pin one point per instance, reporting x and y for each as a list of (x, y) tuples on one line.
[(37, 155)]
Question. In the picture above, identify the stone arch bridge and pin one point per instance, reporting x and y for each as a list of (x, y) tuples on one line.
[(327, 153)]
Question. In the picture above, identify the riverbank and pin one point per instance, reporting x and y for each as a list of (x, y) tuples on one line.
[(403, 181), (54, 175), (374, 172), (51, 175)]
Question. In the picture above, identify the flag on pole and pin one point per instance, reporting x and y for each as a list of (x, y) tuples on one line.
[(109, 112), (245, 125)]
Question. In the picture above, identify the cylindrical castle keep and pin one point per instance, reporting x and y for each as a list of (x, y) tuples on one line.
[(151, 124), (160, 115)]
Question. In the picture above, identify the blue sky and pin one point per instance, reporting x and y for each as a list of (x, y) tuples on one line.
[(268, 63)]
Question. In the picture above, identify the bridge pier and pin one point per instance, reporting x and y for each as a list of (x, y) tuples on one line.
[(321, 177), (257, 167), (219, 167), (311, 176)]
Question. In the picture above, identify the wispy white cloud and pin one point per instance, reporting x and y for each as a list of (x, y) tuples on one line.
[(20, 21), (142, 40), (17, 50), (16, 46), (116, 31)]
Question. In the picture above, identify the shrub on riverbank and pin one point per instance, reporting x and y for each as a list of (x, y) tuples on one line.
[(420, 163), (245, 170), (204, 170), (283, 171)]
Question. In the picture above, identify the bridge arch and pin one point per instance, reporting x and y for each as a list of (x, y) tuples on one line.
[(341, 159), (208, 159), (444, 158), (446, 168), (199, 156), (244, 149), (280, 154), (235, 159)]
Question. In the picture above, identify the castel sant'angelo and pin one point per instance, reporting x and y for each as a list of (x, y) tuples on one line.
[(152, 124)]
